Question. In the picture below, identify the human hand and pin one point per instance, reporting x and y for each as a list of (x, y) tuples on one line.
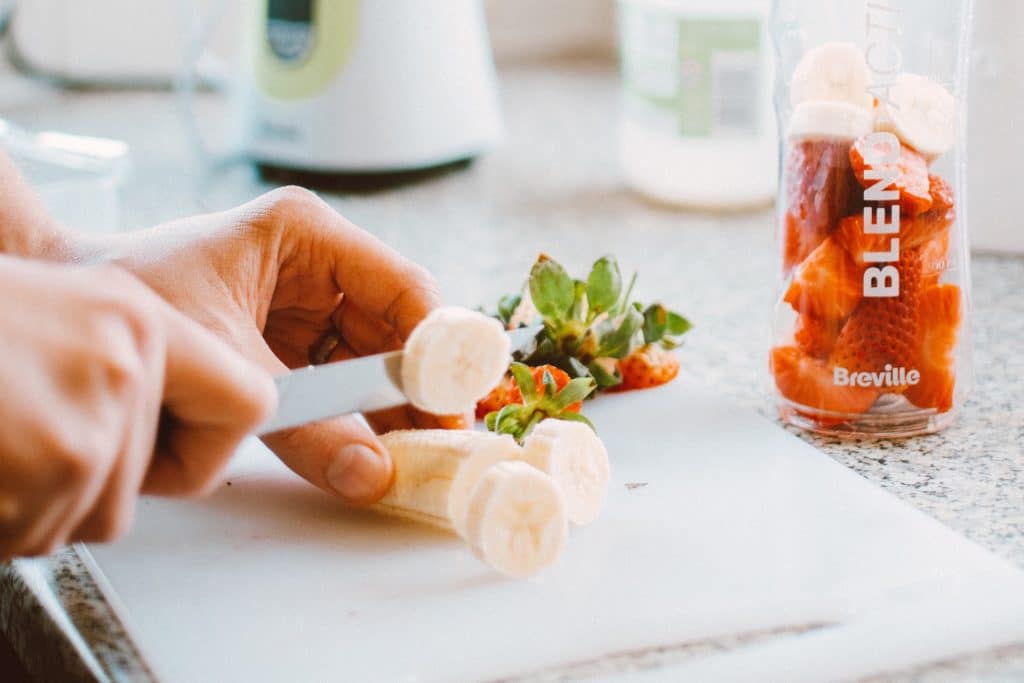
[(107, 391), (282, 279)]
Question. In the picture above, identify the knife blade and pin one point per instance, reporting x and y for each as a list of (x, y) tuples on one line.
[(360, 385)]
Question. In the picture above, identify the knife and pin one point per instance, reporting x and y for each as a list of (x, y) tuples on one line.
[(360, 385)]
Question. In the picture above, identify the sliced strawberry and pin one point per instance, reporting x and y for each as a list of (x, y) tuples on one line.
[(648, 366), (884, 331), (827, 285), (560, 377), (912, 173), (913, 232), (820, 189), (808, 382), (940, 323), (816, 337), (498, 398), (934, 259), (941, 193)]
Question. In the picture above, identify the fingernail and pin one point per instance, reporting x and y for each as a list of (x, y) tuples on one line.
[(357, 473)]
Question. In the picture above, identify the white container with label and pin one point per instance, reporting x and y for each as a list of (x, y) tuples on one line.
[(697, 127)]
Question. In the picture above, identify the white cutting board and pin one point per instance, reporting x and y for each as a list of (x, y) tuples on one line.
[(741, 527)]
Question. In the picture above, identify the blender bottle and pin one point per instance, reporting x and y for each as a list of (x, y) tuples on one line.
[(870, 334)]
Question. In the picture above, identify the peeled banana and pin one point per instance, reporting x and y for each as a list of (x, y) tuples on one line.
[(511, 504), (452, 359), (572, 455)]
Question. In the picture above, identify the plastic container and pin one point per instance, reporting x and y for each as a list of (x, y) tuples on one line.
[(77, 178), (871, 321), (696, 127)]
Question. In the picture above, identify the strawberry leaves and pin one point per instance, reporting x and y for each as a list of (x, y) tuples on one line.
[(664, 326), (552, 290), (541, 400), (590, 324), (604, 285)]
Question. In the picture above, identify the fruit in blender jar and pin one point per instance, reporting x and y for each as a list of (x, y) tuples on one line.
[(833, 72), (648, 366), (940, 322), (807, 381), (884, 331), (921, 113), (829, 121), (816, 337), (914, 231), (820, 189), (827, 285), (911, 172), (452, 359)]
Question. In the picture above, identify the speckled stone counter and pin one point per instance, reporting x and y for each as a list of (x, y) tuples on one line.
[(554, 186)]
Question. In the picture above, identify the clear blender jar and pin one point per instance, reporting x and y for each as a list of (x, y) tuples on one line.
[(870, 327)]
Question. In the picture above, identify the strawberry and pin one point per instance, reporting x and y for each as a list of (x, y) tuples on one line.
[(816, 337), (648, 366), (539, 396), (912, 173), (508, 392), (884, 331), (497, 399), (821, 189), (940, 322), (808, 382), (827, 285), (934, 259), (560, 377), (921, 229)]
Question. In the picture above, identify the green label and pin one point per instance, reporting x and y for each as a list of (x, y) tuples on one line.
[(333, 26), (695, 77)]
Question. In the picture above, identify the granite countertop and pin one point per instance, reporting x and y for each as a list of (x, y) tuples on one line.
[(554, 186)]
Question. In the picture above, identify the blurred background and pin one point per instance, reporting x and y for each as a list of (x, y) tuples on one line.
[(355, 96)]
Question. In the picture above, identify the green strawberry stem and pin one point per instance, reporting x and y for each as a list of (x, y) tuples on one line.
[(549, 403)]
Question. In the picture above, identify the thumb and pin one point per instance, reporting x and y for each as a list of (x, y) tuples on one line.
[(340, 455)]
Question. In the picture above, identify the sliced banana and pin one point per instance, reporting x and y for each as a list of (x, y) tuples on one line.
[(517, 520), (573, 455), (437, 469), (921, 113), (829, 121), (452, 359), (833, 72)]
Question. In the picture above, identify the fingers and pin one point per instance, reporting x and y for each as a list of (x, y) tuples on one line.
[(339, 455), (111, 517), (365, 333), (212, 399), (380, 280)]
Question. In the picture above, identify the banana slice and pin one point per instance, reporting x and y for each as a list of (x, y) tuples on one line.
[(437, 469), (573, 455), (517, 520), (921, 113), (452, 359), (833, 72), (829, 121)]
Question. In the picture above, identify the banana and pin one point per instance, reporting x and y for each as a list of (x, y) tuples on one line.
[(452, 359), (437, 469), (829, 121), (576, 459), (833, 72), (517, 520), (921, 113)]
